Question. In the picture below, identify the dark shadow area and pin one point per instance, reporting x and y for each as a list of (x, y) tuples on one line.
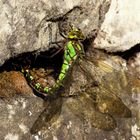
[(129, 53), (34, 60)]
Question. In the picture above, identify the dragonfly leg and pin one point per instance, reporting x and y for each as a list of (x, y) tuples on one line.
[(59, 46)]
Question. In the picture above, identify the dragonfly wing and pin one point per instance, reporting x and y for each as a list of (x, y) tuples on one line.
[(112, 90), (83, 108)]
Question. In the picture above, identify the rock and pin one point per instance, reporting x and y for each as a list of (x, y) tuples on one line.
[(18, 115), (32, 25), (13, 83), (120, 29), (100, 93), (18, 106)]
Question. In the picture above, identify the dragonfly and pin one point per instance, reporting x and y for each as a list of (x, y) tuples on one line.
[(72, 51), (85, 64), (99, 106)]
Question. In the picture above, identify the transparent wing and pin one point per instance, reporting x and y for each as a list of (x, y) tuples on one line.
[(109, 83)]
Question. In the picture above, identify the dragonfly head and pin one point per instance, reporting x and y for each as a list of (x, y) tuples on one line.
[(76, 34)]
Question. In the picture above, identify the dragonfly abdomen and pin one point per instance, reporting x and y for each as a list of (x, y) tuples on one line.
[(72, 51)]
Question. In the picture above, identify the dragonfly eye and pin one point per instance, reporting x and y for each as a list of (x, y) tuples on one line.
[(76, 33)]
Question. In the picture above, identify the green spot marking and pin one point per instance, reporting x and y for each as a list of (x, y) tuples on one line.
[(31, 77), (37, 86), (46, 89)]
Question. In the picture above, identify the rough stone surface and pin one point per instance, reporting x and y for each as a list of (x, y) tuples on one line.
[(120, 30), (17, 117), (13, 83), (32, 25), (104, 102)]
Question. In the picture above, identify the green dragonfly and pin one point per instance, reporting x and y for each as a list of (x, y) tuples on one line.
[(72, 51), (104, 101)]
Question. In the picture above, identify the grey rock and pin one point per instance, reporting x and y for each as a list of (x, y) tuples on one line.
[(28, 26), (18, 115), (97, 81), (120, 29)]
